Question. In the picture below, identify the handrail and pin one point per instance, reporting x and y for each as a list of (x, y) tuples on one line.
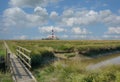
[(23, 54), (24, 49), (16, 65), (25, 58)]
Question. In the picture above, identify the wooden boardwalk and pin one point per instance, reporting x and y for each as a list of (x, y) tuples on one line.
[(19, 72)]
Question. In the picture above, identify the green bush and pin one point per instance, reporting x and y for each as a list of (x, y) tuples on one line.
[(47, 54), (37, 58)]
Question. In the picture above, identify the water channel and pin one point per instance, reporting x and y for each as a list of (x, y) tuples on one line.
[(112, 61)]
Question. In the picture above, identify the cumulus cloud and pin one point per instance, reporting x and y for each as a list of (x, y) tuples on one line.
[(31, 3), (112, 33), (54, 15), (107, 17), (117, 37), (68, 13), (83, 17), (119, 11), (113, 30), (79, 37), (78, 30), (18, 18), (65, 36), (49, 29), (74, 18), (71, 17), (41, 11), (22, 37)]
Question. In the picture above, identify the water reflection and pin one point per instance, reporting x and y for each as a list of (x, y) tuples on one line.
[(113, 61)]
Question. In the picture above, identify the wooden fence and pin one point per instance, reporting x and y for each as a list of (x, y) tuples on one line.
[(24, 55)]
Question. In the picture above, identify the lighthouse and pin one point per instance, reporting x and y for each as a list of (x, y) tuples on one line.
[(53, 36)]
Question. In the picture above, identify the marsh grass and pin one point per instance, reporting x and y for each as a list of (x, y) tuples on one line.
[(69, 55), (72, 70), (41, 58), (2, 52), (5, 77)]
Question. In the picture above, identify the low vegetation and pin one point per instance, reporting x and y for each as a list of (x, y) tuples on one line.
[(70, 69), (5, 75), (83, 47), (73, 71), (69, 55), (41, 57)]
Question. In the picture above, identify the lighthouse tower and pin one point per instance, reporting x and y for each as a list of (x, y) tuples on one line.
[(53, 34)]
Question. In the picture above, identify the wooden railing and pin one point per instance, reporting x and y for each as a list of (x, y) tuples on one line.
[(24, 55)]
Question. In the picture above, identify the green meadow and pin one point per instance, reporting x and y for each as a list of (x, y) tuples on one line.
[(66, 61), (5, 76)]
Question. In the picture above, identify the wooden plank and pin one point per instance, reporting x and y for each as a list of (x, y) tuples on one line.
[(23, 54), (21, 75), (20, 72)]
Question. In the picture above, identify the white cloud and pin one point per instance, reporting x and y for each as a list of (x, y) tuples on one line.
[(65, 36), (40, 11), (108, 18), (78, 30), (69, 18), (111, 36), (69, 21), (112, 33), (77, 37), (84, 17), (22, 37), (12, 15), (113, 30), (68, 13), (119, 11), (72, 17), (104, 5), (49, 29), (54, 15), (31, 3), (16, 17)]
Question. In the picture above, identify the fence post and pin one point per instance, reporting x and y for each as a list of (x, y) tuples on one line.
[(8, 59)]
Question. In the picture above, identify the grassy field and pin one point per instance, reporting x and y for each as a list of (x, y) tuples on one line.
[(59, 45), (73, 71), (72, 59), (4, 76), (2, 50)]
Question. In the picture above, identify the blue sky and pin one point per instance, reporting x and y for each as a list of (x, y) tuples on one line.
[(70, 19)]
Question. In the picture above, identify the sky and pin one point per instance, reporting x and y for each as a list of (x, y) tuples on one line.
[(70, 19)]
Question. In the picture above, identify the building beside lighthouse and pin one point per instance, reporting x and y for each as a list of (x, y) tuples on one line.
[(52, 36)]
